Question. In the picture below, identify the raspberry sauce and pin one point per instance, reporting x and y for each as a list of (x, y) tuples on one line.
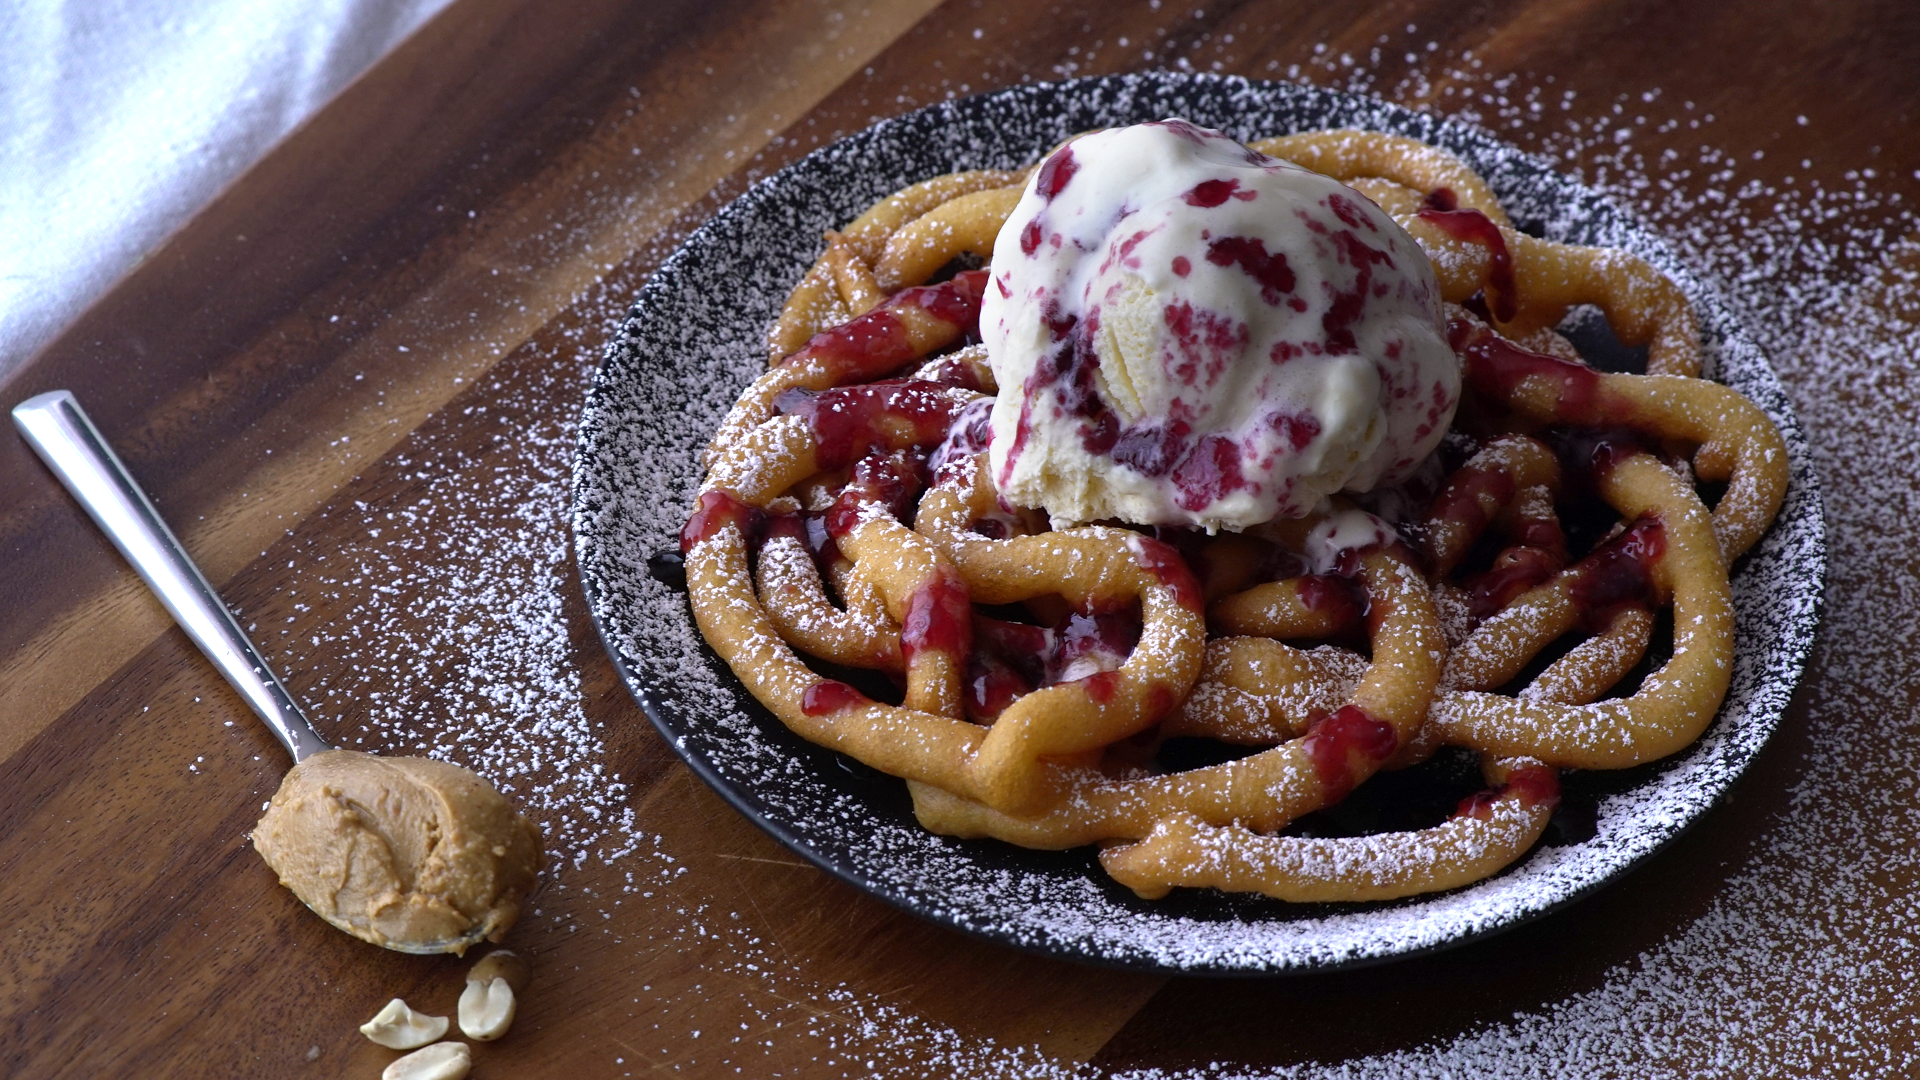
[(1514, 571), (1495, 367), (878, 343), (1333, 740), (1465, 499), (1534, 785), (888, 481), (1335, 598), (1475, 227), (829, 696), (1157, 557), (1619, 571), (715, 511), (1012, 659), (849, 422), (938, 617), (1100, 686)]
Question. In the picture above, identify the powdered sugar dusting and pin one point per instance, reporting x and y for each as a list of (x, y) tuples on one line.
[(458, 647)]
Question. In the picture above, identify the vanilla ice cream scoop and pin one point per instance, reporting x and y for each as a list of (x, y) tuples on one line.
[(1187, 332)]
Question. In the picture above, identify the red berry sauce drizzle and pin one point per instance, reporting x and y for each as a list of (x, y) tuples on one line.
[(879, 342), (855, 424), (1337, 598), (1494, 367), (1166, 564), (1159, 558), (1538, 531), (831, 696), (1473, 494), (811, 530), (1514, 571), (957, 373), (1442, 209), (716, 510), (1619, 573), (849, 422), (880, 482), (970, 433), (1535, 785), (938, 617), (1101, 685), (1009, 660), (1014, 659), (1467, 493), (1334, 740)]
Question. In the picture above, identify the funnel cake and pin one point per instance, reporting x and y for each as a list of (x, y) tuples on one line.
[(1029, 675)]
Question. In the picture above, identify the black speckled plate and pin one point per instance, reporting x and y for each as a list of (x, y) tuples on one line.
[(693, 340)]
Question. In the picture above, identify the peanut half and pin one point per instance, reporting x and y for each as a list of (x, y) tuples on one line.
[(441, 1061), (487, 1004), (398, 1027)]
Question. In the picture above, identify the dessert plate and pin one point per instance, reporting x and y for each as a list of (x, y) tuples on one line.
[(695, 337)]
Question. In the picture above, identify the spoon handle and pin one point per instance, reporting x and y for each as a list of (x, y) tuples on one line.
[(67, 441)]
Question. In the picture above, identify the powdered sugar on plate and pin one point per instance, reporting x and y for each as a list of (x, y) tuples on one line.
[(694, 338)]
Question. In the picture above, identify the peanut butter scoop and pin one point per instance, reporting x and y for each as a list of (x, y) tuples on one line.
[(407, 853)]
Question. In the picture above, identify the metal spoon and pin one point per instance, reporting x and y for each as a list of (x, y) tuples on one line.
[(67, 441), (54, 424)]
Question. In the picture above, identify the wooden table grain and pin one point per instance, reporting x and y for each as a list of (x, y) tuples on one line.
[(430, 266)]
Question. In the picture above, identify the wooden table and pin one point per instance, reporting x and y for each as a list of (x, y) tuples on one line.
[(350, 384)]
